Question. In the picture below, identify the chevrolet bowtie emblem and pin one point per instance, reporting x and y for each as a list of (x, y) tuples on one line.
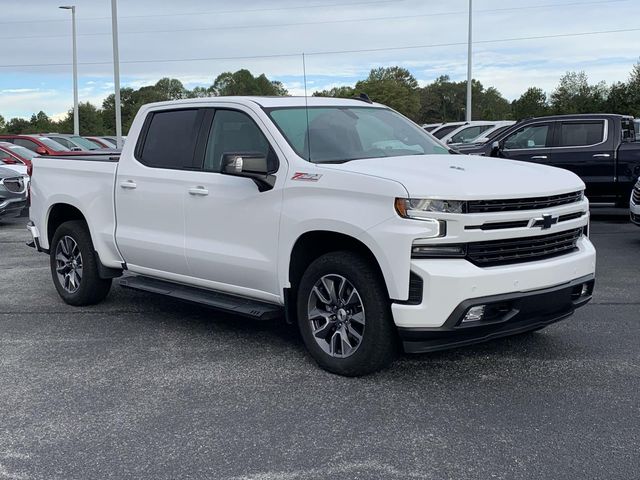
[(545, 222)]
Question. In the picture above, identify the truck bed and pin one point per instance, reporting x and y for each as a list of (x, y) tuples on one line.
[(87, 184)]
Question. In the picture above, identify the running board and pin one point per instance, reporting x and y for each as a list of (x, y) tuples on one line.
[(221, 301)]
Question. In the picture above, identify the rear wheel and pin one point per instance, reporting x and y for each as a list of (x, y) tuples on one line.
[(74, 267), (344, 315)]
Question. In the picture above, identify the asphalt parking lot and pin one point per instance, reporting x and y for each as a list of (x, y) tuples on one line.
[(148, 388)]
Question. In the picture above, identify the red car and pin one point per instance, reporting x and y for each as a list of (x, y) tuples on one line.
[(13, 154), (38, 144)]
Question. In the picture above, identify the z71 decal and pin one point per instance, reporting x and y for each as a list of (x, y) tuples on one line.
[(308, 177)]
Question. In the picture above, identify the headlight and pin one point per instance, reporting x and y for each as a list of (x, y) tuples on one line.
[(419, 209)]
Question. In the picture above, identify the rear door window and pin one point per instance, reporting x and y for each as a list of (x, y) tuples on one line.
[(581, 134), (530, 136), (170, 139)]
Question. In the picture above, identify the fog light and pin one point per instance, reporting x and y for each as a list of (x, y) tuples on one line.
[(586, 290), (474, 314)]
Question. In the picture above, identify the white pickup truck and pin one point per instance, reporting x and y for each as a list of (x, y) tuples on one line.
[(338, 214)]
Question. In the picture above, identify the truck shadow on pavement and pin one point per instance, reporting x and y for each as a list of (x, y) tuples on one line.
[(250, 337)]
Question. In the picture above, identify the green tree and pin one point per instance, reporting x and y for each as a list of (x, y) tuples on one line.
[(633, 91), (618, 100), (441, 101), (532, 103), (338, 92), (201, 92), (393, 86), (490, 105), (243, 82), (90, 120), (3, 125), (40, 122), (574, 94), (171, 89), (128, 108), (18, 125)]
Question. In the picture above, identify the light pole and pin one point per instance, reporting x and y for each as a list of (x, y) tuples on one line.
[(469, 75), (76, 118), (116, 71)]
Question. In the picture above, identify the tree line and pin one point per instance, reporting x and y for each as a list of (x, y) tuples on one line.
[(440, 101)]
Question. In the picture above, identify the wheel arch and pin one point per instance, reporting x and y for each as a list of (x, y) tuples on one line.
[(60, 213), (313, 244)]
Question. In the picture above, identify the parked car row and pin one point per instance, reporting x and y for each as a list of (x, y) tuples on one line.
[(18, 150), (460, 133)]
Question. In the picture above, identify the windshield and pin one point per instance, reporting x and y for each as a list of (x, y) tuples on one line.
[(22, 151), (53, 145), (340, 134), (85, 143)]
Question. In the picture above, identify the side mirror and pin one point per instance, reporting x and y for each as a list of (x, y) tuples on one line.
[(495, 149), (249, 165), (41, 151), (449, 140)]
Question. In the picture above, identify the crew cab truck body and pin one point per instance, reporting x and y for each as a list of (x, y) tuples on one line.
[(340, 215), (600, 148)]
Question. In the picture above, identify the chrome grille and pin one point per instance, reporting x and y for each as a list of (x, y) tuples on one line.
[(519, 250), (486, 206)]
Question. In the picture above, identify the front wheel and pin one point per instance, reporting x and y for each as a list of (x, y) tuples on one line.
[(344, 315), (74, 267)]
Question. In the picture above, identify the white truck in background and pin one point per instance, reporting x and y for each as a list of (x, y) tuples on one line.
[(338, 214)]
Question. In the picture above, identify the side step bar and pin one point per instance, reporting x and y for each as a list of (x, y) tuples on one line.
[(221, 301)]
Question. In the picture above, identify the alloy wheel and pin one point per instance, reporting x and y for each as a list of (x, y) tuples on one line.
[(336, 314), (68, 264)]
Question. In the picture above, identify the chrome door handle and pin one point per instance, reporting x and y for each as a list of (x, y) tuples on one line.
[(601, 155), (130, 184), (198, 191), (539, 157)]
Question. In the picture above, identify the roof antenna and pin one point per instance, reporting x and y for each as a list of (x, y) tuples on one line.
[(306, 105)]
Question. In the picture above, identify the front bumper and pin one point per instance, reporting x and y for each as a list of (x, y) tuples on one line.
[(514, 313), (449, 283), (12, 206)]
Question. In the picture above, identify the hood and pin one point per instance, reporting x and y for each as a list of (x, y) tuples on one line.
[(466, 177)]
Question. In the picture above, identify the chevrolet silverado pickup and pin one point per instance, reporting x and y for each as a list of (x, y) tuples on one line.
[(600, 148), (340, 215)]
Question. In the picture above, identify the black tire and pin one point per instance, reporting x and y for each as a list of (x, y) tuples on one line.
[(378, 344), (90, 289)]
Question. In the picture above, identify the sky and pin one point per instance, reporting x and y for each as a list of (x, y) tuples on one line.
[(195, 40)]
